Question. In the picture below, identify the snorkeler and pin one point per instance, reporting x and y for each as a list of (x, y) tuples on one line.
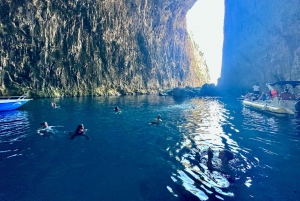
[(45, 129), (225, 156), (222, 171), (157, 120), (209, 158), (80, 131)]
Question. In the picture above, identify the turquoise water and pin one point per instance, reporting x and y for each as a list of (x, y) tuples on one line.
[(127, 159)]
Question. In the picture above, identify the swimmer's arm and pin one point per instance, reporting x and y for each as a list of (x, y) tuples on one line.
[(39, 132), (86, 137)]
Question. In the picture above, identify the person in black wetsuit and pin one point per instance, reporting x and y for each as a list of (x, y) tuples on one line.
[(117, 110), (80, 131), (156, 121), (225, 156), (209, 158)]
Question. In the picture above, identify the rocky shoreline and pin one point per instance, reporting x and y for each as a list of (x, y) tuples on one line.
[(178, 92)]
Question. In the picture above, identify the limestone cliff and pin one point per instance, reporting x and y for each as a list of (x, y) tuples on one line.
[(84, 47), (261, 43)]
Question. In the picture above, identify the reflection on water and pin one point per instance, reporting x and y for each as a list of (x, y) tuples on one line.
[(12, 130), (265, 149), (126, 159), (207, 124), (258, 121)]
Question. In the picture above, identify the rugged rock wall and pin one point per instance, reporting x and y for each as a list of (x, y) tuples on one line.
[(261, 43), (84, 47)]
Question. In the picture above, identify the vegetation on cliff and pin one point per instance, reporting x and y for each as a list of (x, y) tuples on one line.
[(199, 62)]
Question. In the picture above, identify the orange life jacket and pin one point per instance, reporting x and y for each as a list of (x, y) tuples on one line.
[(274, 93)]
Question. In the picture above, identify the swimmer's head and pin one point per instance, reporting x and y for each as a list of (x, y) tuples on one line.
[(80, 127), (44, 124), (209, 153), (226, 155), (159, 116)]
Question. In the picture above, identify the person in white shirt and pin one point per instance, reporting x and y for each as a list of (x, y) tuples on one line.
[(255, 89)]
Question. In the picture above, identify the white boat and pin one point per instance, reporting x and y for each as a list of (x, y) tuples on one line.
[(12, 102), (276, 105)]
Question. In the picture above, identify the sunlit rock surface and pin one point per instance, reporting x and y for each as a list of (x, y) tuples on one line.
[(261, 43), (95, 47)]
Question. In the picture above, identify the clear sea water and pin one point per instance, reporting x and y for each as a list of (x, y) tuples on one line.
[(128, 160)]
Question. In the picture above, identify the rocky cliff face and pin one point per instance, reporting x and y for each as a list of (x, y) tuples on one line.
[(261, 43), (84, 47)]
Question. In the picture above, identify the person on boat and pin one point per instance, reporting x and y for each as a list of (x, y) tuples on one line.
[(255, 97), (248, 96), (157, 120), (80, 131), (286, 95), (255, 89), (273, 93), (263, 96)]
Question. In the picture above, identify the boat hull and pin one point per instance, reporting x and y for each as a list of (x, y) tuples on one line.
[(265, 107), (6, 105)]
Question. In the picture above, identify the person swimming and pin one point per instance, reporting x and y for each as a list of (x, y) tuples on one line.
[(210, 155), (117, 109), (53, 104), (157, 120), (44, 125), (225, 156), (80, 131), (45, 130)]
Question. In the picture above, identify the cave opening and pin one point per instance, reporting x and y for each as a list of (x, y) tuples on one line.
[(205, 22)]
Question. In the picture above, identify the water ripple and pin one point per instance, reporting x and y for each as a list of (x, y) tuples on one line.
[(209, 125), (12, 127)]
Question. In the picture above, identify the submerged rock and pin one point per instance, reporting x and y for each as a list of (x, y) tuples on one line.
[(205, 90)]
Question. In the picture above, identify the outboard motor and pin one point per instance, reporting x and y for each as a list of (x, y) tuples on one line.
[(297, 106)]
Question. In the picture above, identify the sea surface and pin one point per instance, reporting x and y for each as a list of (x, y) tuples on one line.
[(126, 159)]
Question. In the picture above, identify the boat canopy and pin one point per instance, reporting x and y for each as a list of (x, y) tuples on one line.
[(293, 83)]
